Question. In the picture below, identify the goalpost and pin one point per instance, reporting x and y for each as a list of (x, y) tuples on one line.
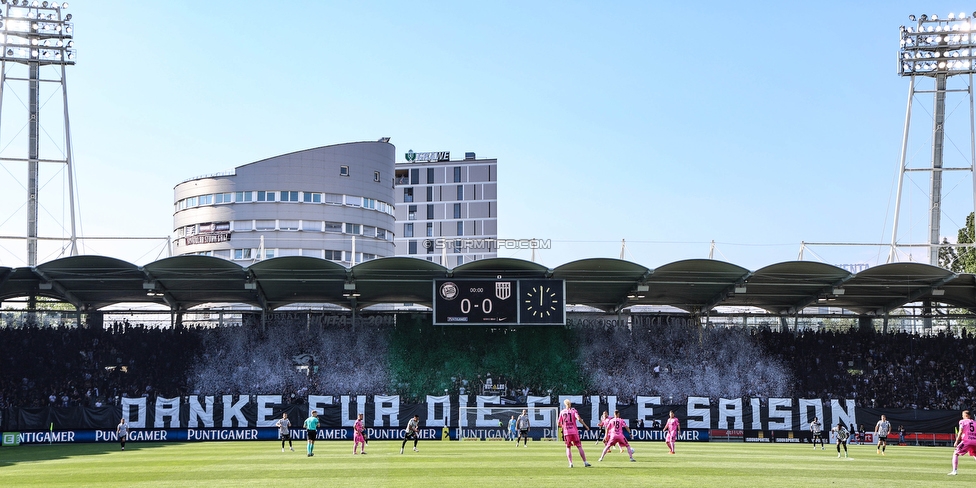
[(491, 423)]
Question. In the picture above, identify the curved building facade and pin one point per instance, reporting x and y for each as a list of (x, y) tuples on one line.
[(332, 202)]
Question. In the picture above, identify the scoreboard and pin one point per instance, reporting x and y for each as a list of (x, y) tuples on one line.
[(499, 302)]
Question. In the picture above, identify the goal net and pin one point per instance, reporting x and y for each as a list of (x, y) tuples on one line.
[(492, 423)]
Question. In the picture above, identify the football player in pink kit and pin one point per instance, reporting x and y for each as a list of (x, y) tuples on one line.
[(965, 440), (568, 418), (671, 431), (616, 427), (357, 434)]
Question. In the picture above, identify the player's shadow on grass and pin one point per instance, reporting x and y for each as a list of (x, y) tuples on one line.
[(12, 455)]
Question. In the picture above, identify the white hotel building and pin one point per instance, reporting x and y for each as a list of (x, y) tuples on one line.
[(334, 202)]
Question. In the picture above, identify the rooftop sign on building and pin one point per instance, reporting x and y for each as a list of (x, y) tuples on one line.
[(427, 157)]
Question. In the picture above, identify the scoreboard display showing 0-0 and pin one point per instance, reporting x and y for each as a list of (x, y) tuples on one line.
[(499, 302)]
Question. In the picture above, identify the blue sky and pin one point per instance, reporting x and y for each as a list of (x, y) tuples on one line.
[(756, 125)]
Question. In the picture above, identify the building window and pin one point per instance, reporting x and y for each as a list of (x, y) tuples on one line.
[(289, 196), (460, 192), (241, 225), (381, 234), (354, 201), (264, 225), (369, 231), (407, 230), (460, 260), (224, 198), (408, 194), (333, 255), (368, 256), (412, 247), (352, 229), (430, 176), (266, 196), (288, 225), (242, 254), (457, 210), (376, 176), (206, 199), (309, 197), (333, 199), (430, 194), (430, 229), (460, 228), (333, 226), (343, 170), (369, 203), (312, 225), (430, 212), (412, 212), (457, 174), (244, 196), (414, 176)]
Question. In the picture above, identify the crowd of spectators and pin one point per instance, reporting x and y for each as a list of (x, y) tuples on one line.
[(899, 370), (70, 366), (67, 366)]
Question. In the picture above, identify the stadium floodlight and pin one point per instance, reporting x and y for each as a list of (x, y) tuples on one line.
[(36, 35), (933, 46), (36, 25), (938, 49)]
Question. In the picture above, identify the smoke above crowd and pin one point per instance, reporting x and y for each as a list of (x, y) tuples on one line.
[(677, 360), (673, 361), (292, 360)]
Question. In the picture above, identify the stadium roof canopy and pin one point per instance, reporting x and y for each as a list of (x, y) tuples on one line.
[(697, 285)]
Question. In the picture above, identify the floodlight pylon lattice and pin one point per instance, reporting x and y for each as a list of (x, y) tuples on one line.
[(38, 34), (938, 49)]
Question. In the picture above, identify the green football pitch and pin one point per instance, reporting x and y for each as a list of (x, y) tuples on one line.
[(473, 463)]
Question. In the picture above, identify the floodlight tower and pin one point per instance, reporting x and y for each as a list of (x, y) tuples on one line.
[(36, 34), (938, 49)]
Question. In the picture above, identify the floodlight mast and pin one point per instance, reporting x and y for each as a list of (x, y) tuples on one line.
[(935, 48), (36, 34)]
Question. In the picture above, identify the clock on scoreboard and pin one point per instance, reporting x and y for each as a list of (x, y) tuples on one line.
[(542, 302), (499, 302)]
